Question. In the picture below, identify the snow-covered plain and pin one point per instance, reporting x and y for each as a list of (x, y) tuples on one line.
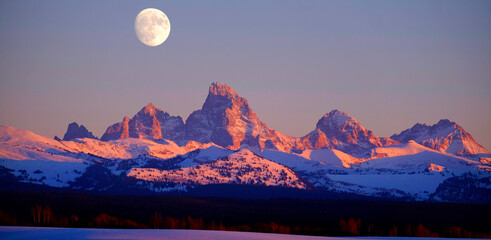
[(17, 233)]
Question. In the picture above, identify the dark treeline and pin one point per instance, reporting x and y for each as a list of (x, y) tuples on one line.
[(295, 216)]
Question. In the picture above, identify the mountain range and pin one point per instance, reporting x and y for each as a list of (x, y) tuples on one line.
[(226, 143)]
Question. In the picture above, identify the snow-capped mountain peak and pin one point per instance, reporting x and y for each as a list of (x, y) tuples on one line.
[(407, 170), (149, 123), (345, 133), (10, 134), (445, 136), (337, 121), (224, 142), (227, 120), (222, 96)]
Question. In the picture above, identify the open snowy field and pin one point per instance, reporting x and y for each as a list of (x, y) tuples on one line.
[(10, 233)]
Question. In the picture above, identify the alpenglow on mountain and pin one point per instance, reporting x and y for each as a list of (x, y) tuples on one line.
[(338, 130), (75, 131), (225, 144), (226, 119), (149, 123), (445, 136)]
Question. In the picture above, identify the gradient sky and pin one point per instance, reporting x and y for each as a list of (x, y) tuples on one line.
[(390, 64)]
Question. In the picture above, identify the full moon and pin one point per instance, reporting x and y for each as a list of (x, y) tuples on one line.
[(152, 27)]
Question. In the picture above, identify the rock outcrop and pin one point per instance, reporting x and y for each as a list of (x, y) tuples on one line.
[(227, 120), (149, 123), (445, 136), (76, 131), (338, 130)]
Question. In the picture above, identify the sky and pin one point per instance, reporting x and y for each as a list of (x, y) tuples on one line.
[(389, 64)]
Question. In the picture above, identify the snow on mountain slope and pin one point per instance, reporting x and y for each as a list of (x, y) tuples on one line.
[(127, 148), (340, 172), (417, 186), (37, 159), (38, 154), (407, 170), (51, 173), (19, 144), (227, 120), (445, 136), (397, 150), (240, 167), (312, 160), (204, 155), (149, 123), (16, 136), (293, 161), (340, 131), (192, 145), (422, 160), (413, 155), (24, 152), (332, 157)]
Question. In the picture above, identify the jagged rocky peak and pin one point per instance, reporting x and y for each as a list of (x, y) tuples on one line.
[(221, 119), (76, 131), (445, 136), (445, 122), (150, 110), (227, 120), (336, 113), (221, 89), (342, 126), (338, 121), (221, 96), (117, 131), (336, 118), (340, 131), (149, 123)]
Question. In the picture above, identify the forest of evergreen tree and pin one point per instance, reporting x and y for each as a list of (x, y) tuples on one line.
[(291, 216)]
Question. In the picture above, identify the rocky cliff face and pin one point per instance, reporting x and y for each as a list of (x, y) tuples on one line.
[(315, 140), (149, 123), (76, 131), (444, 136), (340, 131), (227, 120)]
